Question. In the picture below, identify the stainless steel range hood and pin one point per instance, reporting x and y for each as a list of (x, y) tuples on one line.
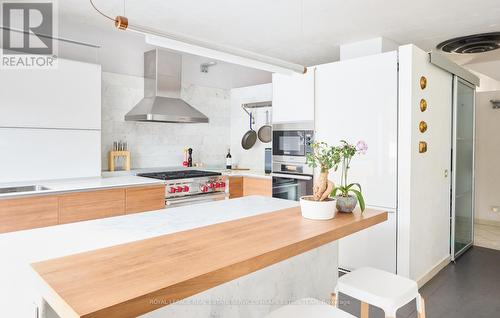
[(162, 89)]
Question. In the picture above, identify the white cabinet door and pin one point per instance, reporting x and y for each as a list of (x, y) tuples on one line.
[(40, 154), (374, 247), (293, 97), (68, 96), (357, 99)]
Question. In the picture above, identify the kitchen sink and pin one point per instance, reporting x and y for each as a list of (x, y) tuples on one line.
[(29, 188)]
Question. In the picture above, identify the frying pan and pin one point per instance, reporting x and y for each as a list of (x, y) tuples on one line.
[(249, 138), (265, 132)]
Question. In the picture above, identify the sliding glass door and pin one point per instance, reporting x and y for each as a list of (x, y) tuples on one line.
[(462, 214)]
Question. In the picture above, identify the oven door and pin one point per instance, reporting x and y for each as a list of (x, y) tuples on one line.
[(289, 143), (291, 187), (195, 199)]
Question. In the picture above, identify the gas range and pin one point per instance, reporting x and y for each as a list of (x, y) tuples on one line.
[(191, 186)]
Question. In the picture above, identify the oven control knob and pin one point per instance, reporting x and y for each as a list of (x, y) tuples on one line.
[(222, 184), (186, 188), (217, 184), (172, 190), (211, 185), (204, 188), (179, 189)]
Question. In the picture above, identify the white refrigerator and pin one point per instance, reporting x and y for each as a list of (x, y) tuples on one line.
[(357, 99)]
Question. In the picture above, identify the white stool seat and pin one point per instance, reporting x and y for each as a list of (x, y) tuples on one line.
[(309, 308), (379, 288)]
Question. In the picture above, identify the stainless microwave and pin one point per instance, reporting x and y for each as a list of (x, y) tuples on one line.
[(291, 143), (293, 139), (292, 177)]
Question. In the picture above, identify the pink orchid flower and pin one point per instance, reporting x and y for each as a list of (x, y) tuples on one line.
[(361, 147)]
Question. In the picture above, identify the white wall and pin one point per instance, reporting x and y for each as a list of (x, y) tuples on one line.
[(423, 189), (487, 171), (254, 157), (487, 83), (162, 144), (489, 68), (367, 47)]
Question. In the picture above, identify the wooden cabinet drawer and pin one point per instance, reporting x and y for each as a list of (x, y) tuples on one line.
[(235, 187), (91, 205), (243, 186), (257, 186), (27, 213), (142, 199)]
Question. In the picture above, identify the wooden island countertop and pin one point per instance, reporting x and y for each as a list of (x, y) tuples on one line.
[(131, 279)]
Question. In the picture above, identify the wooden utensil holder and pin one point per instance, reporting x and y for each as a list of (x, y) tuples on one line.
[(119, 154)]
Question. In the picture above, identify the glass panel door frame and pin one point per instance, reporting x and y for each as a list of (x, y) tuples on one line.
[(454, 253)]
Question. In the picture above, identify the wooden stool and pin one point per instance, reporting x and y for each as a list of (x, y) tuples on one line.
[(379, 288), (307, 308)]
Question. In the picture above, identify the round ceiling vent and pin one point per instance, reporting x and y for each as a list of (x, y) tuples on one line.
[(477, 43)]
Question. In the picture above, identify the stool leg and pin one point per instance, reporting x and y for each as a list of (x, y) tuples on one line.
[(365, 308), (420, 307), (333, 299)]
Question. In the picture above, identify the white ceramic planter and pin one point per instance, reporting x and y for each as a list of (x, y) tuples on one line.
[(314, 210)]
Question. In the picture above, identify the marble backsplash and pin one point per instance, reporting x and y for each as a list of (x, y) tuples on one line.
[(162, 144)]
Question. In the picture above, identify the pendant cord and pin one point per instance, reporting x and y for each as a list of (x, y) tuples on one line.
[(101, 13)]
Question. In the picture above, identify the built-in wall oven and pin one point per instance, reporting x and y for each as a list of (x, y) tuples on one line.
[(292, 177), (291, 187)]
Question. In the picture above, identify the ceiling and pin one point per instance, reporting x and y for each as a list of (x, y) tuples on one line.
[(302, 31)]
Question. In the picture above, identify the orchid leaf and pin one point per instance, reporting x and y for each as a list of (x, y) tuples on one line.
[(360, 199), (334, 192), (356, 184)]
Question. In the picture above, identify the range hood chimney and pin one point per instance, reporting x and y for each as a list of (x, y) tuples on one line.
[(162, 92)]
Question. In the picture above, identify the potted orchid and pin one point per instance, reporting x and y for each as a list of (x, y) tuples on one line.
[(349, 194), (320, 205)]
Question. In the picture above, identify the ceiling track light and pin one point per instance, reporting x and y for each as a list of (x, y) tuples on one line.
[(200, 47)]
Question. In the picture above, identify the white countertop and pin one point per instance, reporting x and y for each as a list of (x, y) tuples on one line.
[(114, 179), (78, 184), (25, 247)]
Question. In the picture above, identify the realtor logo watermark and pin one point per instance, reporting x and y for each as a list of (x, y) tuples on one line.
[(28, 35)]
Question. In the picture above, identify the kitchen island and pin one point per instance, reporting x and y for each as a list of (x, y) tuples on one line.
[(234, 258)]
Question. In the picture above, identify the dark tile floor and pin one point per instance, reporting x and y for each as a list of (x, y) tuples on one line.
[(470, 288)]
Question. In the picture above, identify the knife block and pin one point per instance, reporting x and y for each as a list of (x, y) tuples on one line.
[(119, 154)]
